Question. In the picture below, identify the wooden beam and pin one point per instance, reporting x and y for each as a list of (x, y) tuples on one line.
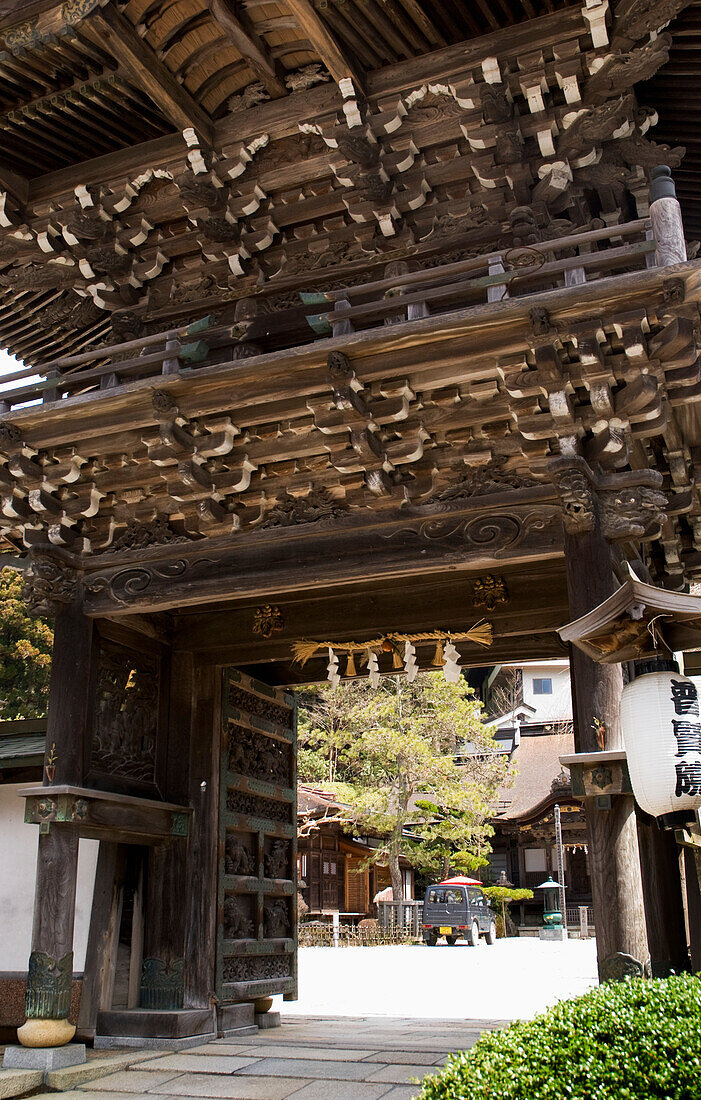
[(324, 43), (252, 48), (116, 34), (14, 183)]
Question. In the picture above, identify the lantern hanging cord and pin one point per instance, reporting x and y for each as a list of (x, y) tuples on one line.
[(656, 634), (481, 633)]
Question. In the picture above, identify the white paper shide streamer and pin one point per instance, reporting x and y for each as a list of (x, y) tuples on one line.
[(374, 670), (451, 666), (410, 666), (332, 669)]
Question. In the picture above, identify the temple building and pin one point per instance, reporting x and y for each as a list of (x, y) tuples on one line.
[(357, 336)]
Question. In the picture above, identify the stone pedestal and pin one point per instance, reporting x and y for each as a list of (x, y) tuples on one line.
[(265, 1020), (44, 1058), (557, 935)]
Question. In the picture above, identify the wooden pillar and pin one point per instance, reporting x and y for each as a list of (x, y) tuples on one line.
[(166, 909), (51, 960), (666, 218), (200, 898), (596, 692), (662, 892)]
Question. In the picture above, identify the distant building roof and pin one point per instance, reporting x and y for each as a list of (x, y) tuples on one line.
[(538, 773), (22, 742), (313, 801)]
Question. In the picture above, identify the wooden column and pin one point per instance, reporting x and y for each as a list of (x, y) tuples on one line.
[(51, 960), (662, 892), (666, 218), (166, 910), (200, 898), (596, 692)]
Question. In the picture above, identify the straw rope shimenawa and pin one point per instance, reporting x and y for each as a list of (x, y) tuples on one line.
[(480, 633)]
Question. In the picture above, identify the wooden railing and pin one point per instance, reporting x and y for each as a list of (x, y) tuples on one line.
[(403, 915), (490, 278)]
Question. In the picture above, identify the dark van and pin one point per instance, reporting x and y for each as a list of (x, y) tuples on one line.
[(455, 911)]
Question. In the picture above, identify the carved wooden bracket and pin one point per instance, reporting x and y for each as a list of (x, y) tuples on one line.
[(628, 505), (49, 584)]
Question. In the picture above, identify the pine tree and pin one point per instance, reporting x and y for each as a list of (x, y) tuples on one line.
[(393, 756)]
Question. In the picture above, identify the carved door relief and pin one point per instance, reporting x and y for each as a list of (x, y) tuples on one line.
[(257, 914), (129, 698)]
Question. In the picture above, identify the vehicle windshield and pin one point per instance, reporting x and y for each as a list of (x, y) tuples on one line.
[(444, 895)]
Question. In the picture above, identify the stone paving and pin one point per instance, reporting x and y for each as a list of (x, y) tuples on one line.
[(334, 1058)]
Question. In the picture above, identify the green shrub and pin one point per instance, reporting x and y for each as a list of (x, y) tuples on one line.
[(631, 1040)]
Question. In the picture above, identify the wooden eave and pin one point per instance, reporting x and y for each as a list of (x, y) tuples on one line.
[(633, 622), (468, 350)]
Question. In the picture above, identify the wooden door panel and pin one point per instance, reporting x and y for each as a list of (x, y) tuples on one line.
[(257, 910)]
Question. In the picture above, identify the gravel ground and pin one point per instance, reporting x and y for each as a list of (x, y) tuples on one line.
[(514, 979)]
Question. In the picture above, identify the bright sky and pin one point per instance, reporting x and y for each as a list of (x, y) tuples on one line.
[(8, 362)]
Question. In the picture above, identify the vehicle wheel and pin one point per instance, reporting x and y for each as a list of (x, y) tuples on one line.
[(430, 939), (491, 936), (452, 940), (474, 934)]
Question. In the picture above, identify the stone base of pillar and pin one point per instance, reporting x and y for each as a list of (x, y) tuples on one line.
[(155, 1029), (44, 1058), (265, 1020), (37, 1032)]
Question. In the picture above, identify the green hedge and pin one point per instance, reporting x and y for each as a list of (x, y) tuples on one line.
[(631, 1040)]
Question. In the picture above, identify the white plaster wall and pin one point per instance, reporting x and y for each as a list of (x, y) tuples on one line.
[(548, 708), (18, 857)]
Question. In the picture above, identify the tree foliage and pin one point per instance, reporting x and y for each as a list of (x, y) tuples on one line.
[(25, 653), (504, 896), (630, 1040), (390, 754)]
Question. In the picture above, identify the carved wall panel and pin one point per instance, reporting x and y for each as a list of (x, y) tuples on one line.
[(123, 748), (256, 954)]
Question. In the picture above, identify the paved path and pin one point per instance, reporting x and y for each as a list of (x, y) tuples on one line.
[(514, 979), (305, 1059)]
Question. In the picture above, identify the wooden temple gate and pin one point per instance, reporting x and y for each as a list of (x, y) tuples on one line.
[(344, 324)]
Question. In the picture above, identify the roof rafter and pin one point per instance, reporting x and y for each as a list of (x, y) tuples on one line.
[(324, 43), (116, 33), (251, 47)]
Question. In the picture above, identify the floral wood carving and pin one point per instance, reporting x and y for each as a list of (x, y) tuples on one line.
[(290, 510), (489, 591), (479, 481), (139, 536), (257, 968), (262, 708), (267, 620)]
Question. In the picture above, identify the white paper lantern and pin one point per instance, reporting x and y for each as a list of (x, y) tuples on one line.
[(662, 737)]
